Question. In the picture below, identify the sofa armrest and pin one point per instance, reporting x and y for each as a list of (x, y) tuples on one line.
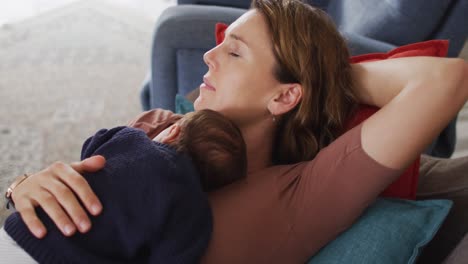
[(183, 34)]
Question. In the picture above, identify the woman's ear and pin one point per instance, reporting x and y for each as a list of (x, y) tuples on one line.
[(171, 135), (286, 99)]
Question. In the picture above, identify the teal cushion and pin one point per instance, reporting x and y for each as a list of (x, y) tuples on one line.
[(183, 105), (390, 231)]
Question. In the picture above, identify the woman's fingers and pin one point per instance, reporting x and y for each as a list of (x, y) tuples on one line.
[(28, 214), (64, 209), (65, 190), (90, 164), (57, 214), (71, 177), (57, 190), (22, 196)]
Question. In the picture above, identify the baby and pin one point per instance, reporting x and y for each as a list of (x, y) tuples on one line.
[(153, 194)]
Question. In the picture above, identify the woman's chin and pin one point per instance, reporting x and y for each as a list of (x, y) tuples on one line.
[(198, 104), (201, 104)]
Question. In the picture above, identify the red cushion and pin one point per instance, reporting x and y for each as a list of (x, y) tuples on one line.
[(435, 48), (219, 32), (406, 185)]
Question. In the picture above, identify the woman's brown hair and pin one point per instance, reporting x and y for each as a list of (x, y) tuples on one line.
[(309, 50)]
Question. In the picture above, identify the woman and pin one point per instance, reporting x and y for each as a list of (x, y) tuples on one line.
[(282, 74)]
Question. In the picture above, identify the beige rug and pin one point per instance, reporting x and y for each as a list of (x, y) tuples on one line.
[(63, 75)]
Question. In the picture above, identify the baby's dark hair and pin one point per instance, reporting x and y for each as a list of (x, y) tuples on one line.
[(216, 147)]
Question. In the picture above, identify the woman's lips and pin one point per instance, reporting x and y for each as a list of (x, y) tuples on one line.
[(206, 85)]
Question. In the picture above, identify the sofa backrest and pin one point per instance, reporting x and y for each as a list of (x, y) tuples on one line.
[(237, 3), (394, 22), (243, 3), (400, 22)]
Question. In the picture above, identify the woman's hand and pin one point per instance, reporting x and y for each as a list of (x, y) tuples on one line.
[(56, 189)]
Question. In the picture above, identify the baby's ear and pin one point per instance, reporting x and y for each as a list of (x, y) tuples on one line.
[(172, 135)]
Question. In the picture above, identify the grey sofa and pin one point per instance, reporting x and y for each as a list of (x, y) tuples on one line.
[(185, 32)]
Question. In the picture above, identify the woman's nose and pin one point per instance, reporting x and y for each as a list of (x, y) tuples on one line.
[(209, 58)]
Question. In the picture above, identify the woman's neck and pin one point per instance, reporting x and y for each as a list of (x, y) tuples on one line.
[(259, 142)]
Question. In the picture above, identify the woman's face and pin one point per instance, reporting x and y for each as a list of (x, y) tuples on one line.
[(240, 82)]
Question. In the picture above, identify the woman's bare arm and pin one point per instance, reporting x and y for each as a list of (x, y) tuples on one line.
[(418, 96)]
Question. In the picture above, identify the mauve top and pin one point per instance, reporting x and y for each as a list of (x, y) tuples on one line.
[(286, 213)]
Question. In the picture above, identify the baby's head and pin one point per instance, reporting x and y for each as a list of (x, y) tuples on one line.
[(214, 143)]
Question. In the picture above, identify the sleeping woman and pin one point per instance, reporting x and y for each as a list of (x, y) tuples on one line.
[(282, 74)]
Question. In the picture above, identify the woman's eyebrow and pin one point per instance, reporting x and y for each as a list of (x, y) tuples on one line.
[(237, 37)]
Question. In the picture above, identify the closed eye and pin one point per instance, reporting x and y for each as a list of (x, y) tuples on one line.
[(235, 55)]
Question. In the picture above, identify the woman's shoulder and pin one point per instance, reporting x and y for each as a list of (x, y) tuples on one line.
[(325, 159), (154, 121), (339, 166)]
